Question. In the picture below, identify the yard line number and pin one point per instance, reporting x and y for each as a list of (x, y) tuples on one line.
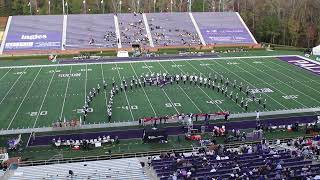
[(170, 105)]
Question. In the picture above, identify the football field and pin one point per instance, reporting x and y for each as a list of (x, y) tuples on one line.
[(37, 96)]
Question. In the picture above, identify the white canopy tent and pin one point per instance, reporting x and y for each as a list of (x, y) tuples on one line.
[(316, 51)]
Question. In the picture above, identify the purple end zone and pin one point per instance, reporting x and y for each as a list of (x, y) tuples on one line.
[(306, 64), (137, 133)]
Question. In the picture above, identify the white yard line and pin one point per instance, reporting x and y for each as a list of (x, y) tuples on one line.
[(65, 95), (251, 84), (169, 60), (43, 100), (125, 93), (201, 88), (105, 92), (269, 85), (283, 84), (218, 73), (183, 90), (85, 84), (15, 114), (12, 86), (5, 74), (154, 112), (164, 91)]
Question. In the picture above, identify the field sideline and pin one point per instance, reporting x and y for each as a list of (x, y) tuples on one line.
[(38, 95)]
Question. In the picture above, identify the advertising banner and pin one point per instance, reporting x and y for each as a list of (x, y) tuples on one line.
[(33, 41), (226, 36)]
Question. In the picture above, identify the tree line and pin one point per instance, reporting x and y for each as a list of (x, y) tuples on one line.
[(286, 22)]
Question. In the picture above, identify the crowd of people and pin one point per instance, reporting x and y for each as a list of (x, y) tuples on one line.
[(236, 92), (272, 163), (168, 36), (133, 32)]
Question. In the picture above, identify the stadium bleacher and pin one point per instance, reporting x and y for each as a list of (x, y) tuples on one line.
[(223, 28), (24, 35), (127, 168), (258, 163), (147, 30), (81, 29), (172, 29), (132, 29)]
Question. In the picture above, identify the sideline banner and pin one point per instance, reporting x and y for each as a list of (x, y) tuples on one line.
[(33, 41)]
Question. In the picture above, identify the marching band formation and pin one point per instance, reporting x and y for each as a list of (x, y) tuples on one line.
[(230, 89)]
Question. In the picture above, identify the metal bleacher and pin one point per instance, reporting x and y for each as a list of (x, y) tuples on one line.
[(172, 29), (82, 28), (118, 169), (111, 31)]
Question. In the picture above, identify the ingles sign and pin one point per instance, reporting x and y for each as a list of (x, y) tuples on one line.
[(36, 41)]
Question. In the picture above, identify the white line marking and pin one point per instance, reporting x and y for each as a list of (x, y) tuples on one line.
[(5, 74), (279, 81), (154, 112), (183, 90), (195, 24), (125, 62), (216, 73), (65, 95), (15, 114), (43, 100), (85, 84), (12, 87), (250, 83), (245, 25), (201, 88), (164, 91), (125, 93), (105, 92), (4, 37), (302, 73)]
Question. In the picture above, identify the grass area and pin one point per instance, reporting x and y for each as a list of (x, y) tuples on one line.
[(39, 96)]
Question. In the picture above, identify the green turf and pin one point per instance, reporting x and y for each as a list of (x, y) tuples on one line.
[(33, 91)]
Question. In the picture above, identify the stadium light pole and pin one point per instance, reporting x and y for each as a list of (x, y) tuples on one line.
[(102, 4), (190, 5), (203, 5), (49, 2), (84, 6), (30, 8), (67, 7), (63, 10)]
